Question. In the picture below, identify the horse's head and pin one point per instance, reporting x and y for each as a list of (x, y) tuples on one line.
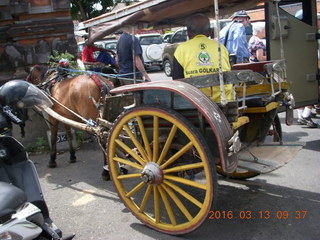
[(37, 74)]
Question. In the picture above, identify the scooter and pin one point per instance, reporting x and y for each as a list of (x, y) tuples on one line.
[(23, 211)]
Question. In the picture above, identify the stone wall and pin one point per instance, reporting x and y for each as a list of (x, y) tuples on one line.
[(29, 32)]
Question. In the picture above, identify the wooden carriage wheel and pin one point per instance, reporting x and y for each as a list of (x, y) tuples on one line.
[(169, 190)]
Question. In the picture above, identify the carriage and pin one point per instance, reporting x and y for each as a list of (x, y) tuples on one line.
[(172, 139)]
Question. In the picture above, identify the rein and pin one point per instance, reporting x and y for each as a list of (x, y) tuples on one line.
[(46, 86)]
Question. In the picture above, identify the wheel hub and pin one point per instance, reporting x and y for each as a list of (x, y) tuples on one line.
[(152, 174)]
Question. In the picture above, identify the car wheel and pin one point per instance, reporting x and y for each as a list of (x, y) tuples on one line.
[(167, 68)]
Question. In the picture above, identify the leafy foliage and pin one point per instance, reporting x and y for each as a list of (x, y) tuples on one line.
[(82, 10), (56, 57)]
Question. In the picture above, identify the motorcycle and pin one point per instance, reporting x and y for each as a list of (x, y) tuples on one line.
[(23, 211)]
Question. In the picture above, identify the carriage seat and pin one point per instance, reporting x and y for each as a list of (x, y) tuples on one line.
[(257, 100), (254, 66)]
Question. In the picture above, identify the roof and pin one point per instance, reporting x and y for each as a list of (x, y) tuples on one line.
[(161, 13)]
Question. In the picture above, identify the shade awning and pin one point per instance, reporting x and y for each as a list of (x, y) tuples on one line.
[(159, 14)]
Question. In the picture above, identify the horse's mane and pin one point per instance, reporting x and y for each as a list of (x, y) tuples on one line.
[(43, 70)]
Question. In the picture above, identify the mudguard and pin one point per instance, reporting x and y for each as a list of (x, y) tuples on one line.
[(210, 110)]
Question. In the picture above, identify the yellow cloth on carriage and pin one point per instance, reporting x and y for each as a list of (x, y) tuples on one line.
[(199, 56)]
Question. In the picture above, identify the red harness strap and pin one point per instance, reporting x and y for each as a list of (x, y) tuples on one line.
[(98, 80)]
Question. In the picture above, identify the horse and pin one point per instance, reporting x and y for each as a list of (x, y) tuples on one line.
[(80, 94)]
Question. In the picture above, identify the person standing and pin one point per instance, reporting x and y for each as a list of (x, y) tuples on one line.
[(126, 61), (234, 37), (257, 47), (199, 56), (304, 117)]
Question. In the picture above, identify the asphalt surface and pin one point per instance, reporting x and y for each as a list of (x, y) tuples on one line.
[(80, 202)]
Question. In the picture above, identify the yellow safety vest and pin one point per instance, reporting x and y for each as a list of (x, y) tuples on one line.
[(199, 56)]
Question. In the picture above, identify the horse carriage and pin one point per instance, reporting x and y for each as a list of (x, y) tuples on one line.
[(172, 139)]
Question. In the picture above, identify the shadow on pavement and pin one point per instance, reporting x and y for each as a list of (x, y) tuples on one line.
[(259, 210)]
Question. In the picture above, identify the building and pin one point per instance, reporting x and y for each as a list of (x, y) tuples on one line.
[(29, 32)]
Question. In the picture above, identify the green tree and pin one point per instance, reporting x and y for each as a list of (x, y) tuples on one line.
[(82, 10)]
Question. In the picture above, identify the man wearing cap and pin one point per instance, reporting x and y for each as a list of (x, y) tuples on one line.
[(233, 36)]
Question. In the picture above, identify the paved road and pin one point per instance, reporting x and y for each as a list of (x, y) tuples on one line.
[(80, 202)]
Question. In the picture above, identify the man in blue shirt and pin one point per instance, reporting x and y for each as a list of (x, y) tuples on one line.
[(125, 58), (233, 36)]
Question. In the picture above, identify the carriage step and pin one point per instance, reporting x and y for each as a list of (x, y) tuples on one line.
[(268, 157)]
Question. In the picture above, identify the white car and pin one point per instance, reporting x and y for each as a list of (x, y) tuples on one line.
[(152, 47)]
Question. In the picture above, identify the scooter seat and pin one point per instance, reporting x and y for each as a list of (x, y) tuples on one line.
[(11, 197)]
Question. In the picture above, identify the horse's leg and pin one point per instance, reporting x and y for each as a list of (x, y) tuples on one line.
[(105, 173), (71, 149), (105, 176), (54, 133)]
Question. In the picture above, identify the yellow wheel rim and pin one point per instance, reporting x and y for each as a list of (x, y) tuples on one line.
[(162, 188)]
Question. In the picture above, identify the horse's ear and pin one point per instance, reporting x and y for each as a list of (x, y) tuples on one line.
[(27, 69)]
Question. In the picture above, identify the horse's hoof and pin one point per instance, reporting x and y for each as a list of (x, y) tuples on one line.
[(52, 164), (123, 171), (105, 176), (72, 160)]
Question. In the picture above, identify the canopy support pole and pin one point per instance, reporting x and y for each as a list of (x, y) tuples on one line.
[(222, 91)]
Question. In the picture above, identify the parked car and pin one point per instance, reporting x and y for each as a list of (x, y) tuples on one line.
[(111, 44), (152, 47), (180, 36), (167, 36)]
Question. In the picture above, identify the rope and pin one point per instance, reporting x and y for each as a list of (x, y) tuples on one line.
[(221, 81), (116, 76), (89, 121), (76, 114)]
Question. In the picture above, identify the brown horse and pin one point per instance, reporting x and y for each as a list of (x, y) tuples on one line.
[(80, 94)]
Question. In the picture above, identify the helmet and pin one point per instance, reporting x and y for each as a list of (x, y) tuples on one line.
[(241, 13), (19, 93)]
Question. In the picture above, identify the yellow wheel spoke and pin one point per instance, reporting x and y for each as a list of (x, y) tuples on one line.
[(155, 138), (183, 193), (167, 206), (183, 168), (186, 182), (145, 198), (167, 144), (127, 162), (178, 202), (129, 176), (136, 143), (129, 150), (145, 138), (135, 189), (156, 204), (177, 155)]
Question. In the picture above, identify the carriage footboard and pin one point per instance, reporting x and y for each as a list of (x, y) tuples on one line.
[(267, 157)]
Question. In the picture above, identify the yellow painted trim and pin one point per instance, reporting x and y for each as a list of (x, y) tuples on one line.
[(260, 89), (268, 108), (241, 121)]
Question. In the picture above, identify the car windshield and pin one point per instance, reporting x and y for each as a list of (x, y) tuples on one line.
[(148, 40), (111, 46)]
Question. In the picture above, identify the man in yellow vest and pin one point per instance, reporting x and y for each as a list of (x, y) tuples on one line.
[(199, 56)]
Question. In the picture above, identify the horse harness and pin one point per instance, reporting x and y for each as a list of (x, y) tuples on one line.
[(60, 74)]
